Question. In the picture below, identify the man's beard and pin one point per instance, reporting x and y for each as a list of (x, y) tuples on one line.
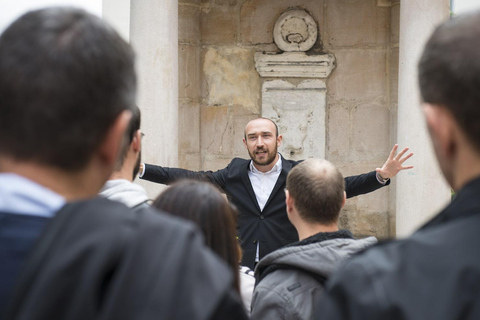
[(270, 157), (136, 168)]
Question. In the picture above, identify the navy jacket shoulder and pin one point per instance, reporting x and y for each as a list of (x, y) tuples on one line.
[(97, 259)]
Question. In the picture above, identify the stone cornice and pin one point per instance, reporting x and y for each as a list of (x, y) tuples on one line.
[(294, 65)]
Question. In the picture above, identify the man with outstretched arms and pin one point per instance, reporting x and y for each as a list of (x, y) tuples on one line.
[(256, 187)]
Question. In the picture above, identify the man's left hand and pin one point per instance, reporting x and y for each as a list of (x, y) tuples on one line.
[(393, 165)]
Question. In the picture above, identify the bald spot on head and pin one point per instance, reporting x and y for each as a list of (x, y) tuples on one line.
[(317, 188)]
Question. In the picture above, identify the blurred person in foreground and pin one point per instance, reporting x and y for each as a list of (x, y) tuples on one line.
[(67, 86), (120, 186), (203, 204), (290, 280), (435, 273)]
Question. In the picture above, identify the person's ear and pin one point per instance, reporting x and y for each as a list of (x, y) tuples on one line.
[(279, 140), (344, 198), (137, 141), (110, 147), (441, 125), (288, 201)]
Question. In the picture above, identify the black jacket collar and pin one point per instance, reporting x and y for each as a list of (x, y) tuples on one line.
[(322, 236)]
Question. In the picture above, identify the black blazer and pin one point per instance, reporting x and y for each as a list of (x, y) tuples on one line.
[(271, 226)]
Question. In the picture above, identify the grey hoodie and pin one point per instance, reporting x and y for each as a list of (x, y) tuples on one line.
[(124, 191), (290, 279)]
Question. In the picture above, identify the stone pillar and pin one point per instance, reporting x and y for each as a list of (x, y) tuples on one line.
[(117, 13), (154, 36), (422, 191)]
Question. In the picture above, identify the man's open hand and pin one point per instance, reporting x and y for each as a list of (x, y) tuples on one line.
[(394, 163)]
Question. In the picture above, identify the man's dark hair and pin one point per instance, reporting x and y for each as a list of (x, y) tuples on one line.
[(65, 76), (449, 72), (133, 127), (317, 188)]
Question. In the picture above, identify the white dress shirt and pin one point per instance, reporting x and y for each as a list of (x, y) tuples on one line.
[(263, 183)]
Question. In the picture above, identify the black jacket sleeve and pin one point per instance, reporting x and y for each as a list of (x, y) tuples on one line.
[(363, 183), (166, 175)]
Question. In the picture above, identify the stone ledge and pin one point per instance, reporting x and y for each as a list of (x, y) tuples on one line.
[(387, 3), (294, 65)]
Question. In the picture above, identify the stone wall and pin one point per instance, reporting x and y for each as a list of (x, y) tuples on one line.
[(220, 90)]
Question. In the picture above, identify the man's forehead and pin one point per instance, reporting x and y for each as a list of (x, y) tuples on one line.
[(260, 126)]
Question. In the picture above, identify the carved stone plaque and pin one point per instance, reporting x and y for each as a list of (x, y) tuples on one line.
[(299, 112), (295, 30)]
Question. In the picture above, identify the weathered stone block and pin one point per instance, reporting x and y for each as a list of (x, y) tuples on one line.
[(230, 78), (190, 161), (189, 72), (216, 131), (363, 224), (219, 25), (188, 24), (358, 22), (393, 74), (374, 202), (351, 168), (188, 127), (221, 2), (189, 1), (371, 132), (339, 132), (257, 17), (360, 75), (395, 24), (238, 126), (215, 162)]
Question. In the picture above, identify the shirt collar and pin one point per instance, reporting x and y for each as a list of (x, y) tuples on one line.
[(20, 195), (277, 168)]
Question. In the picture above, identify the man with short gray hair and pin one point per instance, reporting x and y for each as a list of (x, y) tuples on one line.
[(290, 280)]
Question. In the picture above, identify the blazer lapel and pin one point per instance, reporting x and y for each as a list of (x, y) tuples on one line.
[(248, 185), (286, 167)]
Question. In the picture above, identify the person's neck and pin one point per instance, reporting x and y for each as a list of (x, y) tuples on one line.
[(125, 173), (266, 167), (306, 230), (466, 169), (72, 186), (127, 169)]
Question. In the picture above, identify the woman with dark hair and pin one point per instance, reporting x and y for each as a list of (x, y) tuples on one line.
[(203, 204)]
